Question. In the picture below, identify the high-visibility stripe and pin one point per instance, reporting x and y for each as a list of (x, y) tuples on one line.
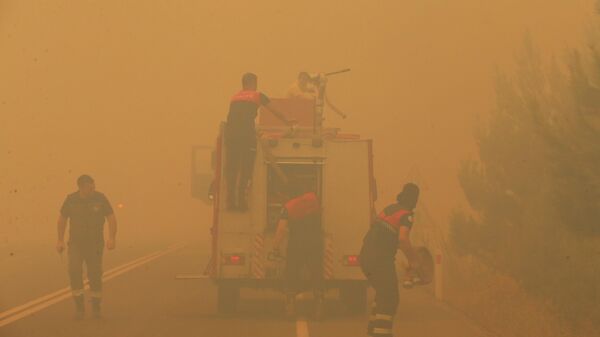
[(386, 226), (247, 96), (257, 267), (382, 331), (394, 218), (383, 317)]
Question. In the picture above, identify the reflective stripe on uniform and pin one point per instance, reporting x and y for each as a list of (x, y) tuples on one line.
[(386, 226), (394, 218), (382, 331), (383, 317), (247, 96)]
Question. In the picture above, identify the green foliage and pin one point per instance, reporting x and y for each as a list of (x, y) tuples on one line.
[(535, 187)]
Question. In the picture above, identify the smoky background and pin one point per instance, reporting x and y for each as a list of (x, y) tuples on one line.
[(122, 90)]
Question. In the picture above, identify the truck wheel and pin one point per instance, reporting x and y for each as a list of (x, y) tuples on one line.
[(354, 296), (228, 298)]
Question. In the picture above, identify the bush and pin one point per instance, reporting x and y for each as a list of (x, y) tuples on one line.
[(535, 188)]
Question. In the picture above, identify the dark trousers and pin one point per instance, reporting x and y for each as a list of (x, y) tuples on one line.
[(302, 254), (91, 255), (378, 265), (241, 153)]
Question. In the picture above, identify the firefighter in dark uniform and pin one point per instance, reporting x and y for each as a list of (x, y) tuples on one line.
[(86, 211), (240, 139), (301, 219), (389, 232)]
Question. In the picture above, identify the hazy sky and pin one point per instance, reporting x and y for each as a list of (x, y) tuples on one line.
[(123, 89)]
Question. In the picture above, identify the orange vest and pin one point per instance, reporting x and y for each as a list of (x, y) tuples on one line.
[(247, 96), (394, 218), (303, 206)]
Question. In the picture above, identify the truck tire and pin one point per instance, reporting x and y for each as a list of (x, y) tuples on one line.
[(354, 297), (228, 297)]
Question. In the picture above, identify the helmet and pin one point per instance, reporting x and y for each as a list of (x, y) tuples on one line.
[(409, 195)]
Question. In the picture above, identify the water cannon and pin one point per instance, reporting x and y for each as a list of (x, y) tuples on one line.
[(337, 72), (320, 77), (320, 81)]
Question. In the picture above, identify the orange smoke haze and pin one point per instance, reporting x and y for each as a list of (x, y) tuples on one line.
[(121, 90)]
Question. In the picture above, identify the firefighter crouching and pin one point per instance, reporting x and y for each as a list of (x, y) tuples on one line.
[(389, 232), (301, 219)]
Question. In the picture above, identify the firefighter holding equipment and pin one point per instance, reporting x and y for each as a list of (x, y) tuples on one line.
[(301, 219), (389, 232), (310, 87), (304, 87)]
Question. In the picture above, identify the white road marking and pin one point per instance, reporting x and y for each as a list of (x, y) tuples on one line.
[(191, 277), (43, 302), (302, 328), (67, 290)]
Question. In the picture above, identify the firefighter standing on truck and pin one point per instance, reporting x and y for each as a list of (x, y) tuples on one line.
[(389, 232), (307, 87), (301, 218), (304, 87), (86, 211), (240, 139)]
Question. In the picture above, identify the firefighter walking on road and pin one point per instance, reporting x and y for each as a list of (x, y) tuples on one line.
[(301, 219), (389, 232), (86, 211)]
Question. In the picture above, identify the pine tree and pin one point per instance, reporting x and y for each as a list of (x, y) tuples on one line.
[(535, 188)]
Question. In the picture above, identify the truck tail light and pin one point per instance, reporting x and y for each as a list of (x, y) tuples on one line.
[(351, 261), (234, 259)]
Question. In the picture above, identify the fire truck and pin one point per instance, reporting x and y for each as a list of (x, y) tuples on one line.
[(340, 167)]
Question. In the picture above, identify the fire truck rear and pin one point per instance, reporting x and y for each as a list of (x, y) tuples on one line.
[(338, 165)]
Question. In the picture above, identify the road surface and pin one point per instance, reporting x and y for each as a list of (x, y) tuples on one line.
[(143, 298)]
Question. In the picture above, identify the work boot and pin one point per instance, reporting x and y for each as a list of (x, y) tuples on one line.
[(79, 307), (411, 278), (96, 312)]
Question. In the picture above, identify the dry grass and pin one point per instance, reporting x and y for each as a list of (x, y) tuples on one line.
[(500, 304)]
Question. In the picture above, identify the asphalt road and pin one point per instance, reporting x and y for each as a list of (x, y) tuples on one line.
[(144, 299)]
